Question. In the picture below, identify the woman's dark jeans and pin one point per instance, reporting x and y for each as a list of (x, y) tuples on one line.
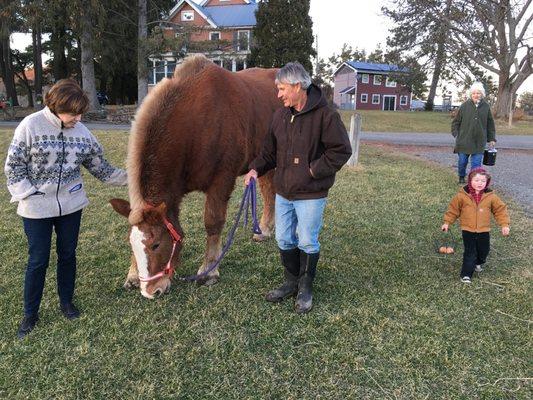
[(39, 234)]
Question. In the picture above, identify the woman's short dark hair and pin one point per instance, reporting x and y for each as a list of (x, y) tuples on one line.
[(66, 97)]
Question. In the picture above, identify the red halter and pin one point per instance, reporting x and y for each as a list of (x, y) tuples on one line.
[(169, 269)]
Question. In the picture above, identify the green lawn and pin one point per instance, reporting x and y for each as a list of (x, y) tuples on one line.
[(391, 319), (419, 121)]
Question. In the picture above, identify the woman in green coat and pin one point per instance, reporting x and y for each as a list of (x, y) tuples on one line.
[(472, 128)]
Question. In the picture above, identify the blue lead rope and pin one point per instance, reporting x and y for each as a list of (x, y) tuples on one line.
[(249, 201)]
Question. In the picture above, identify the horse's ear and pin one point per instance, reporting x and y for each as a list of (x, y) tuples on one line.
[(121, 206)]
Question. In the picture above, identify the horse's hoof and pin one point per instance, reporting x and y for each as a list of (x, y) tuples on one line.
[(259, 237), (131, 283), (208, 280)]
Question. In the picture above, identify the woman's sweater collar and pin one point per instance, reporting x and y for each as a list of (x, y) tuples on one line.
[(52, 118)]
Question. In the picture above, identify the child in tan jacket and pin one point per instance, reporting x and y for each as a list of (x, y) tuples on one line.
[(473, 205)]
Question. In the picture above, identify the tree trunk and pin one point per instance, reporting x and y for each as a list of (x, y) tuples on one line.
[(87, 60), (439, 64), (59, 46), (7, 69), (504, 100), (142, 79), (37, 63)]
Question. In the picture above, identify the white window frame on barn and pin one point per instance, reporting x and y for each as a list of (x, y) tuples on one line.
[(403, 100), (364, 97), (214, 33), (365, 78), (389, 82), (378, 98), (187, 15), (379, 79)]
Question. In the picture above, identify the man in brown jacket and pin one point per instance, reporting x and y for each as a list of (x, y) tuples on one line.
[(473, 205), (307, 144)]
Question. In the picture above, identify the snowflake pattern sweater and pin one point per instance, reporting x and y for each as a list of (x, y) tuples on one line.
[(43, 166)]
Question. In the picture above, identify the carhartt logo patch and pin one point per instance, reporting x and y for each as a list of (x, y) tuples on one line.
[(296, 160)]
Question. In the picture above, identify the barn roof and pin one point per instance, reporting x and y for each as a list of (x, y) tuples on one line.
[(229, 16), (362, 66)]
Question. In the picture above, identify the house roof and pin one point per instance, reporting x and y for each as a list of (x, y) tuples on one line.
[(232, 16), (348, 90), (361, 66), (229, 16)]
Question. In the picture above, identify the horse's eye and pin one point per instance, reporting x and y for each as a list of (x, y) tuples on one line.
[(155, 246)]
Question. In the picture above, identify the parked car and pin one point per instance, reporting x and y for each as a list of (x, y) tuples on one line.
[(102, 98)]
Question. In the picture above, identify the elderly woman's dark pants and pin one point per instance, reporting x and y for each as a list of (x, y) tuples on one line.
[(39, 234), (477, 247)]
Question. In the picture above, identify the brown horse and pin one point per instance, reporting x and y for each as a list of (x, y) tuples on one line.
[(197, 131)]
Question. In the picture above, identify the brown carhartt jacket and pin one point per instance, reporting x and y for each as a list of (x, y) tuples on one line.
[(476, 217), (306, 148)]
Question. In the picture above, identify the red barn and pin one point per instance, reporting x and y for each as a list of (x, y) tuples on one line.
[(369, 86)]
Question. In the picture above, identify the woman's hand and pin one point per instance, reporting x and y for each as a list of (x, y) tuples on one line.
[(444, 227), (505, 230)]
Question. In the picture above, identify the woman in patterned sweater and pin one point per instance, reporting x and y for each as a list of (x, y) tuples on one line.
[(44, 177)]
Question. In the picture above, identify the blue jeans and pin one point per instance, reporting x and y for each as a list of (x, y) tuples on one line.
[(298, 223), (39, 234), (475, 161)]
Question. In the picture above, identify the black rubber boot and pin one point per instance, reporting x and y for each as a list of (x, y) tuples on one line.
[(27, 325), (290, 259), (304, 299)]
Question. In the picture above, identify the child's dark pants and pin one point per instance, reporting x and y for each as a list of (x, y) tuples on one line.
[(477, 246)]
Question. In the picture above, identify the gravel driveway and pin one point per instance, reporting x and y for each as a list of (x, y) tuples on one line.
[(512, 174)]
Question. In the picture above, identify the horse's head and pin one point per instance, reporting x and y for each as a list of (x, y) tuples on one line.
[(155, 244)]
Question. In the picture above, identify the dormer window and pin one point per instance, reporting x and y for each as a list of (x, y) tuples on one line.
[(187, 15)]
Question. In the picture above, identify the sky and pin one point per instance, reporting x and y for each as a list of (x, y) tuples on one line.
[(358, 23)]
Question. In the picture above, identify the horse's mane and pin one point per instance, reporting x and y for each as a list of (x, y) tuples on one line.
[(149, 128)]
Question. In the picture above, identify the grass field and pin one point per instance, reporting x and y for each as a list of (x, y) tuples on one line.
[(391, 319), (430, 122)]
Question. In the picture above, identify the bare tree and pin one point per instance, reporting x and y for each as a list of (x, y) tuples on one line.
[(87, 55), (494, 35), (142, 79)]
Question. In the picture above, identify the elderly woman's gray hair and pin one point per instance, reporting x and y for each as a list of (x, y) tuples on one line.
[(477, 87), (293, 73)]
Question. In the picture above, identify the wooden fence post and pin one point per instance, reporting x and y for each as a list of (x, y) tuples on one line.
[(355, 138)]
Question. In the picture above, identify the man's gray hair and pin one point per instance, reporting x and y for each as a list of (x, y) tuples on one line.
[(293, 73), (478, 87)]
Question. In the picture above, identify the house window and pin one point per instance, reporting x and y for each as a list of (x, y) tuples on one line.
[(243, 40), (389, 82), (364, 78), (375, 99), (187, 15), (403, 100), (364, 97), (161, 69), (377, 80), (214, 35)]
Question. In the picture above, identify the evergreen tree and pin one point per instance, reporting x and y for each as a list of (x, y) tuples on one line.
[(284, 33)]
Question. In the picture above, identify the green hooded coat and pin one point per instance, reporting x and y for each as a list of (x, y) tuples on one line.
[(473, 127)]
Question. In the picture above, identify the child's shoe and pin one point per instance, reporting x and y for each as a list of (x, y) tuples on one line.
[(479, 268), (466, 279)]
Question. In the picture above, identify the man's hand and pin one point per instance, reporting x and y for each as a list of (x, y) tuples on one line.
[(492, 143), (251, 174), (505, 230), (444, 227)]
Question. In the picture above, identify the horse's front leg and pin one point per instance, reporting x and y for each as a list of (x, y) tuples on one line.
[(216, 203), (266, 185), (132, 280)]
